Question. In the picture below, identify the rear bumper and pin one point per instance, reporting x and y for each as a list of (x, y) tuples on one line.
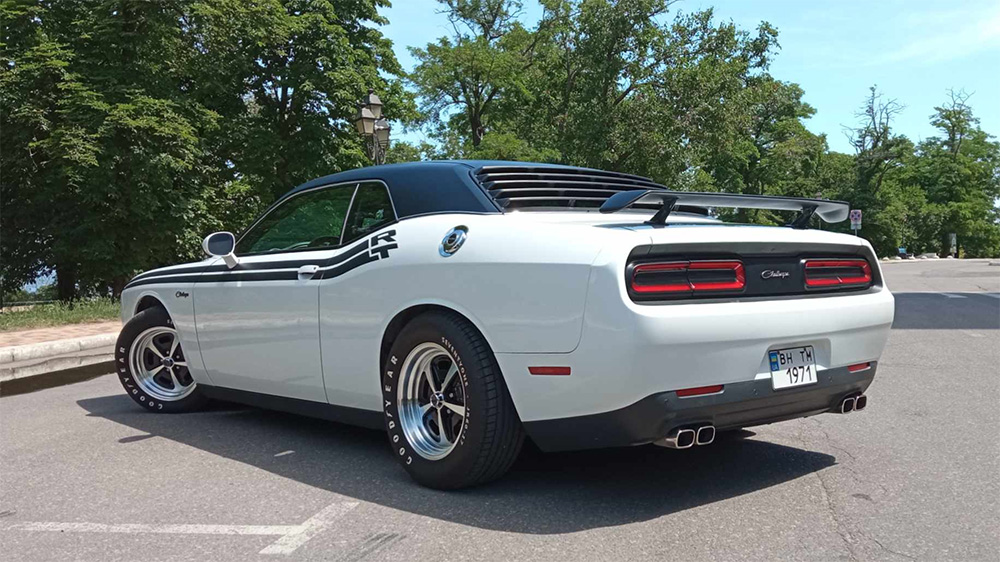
[(740, 404)]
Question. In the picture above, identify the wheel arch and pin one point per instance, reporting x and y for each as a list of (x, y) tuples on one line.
[(406, 315), (149, 301), (145, 300)]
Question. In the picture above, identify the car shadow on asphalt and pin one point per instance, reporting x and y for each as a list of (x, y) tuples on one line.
[(542, 494)]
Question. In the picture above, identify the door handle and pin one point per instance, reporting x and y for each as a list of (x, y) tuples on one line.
[(307, 272)]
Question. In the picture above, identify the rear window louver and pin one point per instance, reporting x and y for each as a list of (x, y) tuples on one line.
[(520, 187)]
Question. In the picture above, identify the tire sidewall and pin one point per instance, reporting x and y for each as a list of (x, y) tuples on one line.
[(149, 318), (461, 459)]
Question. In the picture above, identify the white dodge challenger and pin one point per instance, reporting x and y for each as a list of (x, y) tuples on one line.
[(466, 305)]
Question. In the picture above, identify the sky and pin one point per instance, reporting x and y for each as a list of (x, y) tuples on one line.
[(913, 50)]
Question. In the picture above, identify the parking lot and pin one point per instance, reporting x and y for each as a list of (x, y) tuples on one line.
[(86, 475)]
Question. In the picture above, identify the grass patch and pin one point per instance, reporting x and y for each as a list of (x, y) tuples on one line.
[(58, 314)]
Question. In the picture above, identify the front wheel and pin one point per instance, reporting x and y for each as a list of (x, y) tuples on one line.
[(152, 367), (449, 415)]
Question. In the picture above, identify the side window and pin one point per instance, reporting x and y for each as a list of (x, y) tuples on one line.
[(312, 220), (371, 210)]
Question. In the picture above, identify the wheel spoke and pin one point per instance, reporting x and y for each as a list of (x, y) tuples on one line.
[(451, 374), (457, 408), (173, 379), (423, 410), (173, 346), (442, 438), (152, 347), (155, 370), (180, 364), (430, 380)]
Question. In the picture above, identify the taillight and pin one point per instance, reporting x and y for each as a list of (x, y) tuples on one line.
[(832, 273), (682, 278)]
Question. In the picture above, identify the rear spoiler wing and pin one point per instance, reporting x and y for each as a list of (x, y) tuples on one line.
[(829, 211)]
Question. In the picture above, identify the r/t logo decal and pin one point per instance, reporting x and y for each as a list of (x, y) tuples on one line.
[(380, 244)]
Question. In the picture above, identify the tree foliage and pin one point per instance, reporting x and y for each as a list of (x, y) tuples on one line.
[(130, 129), (628, 85)]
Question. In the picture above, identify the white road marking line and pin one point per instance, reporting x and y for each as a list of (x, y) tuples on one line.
[(310, 528), (953, 296), (290, 538), (283, 453), (137, 528), (994, 295), (973, 334)]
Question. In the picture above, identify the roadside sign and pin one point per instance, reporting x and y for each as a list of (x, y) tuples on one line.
[(855, 220)]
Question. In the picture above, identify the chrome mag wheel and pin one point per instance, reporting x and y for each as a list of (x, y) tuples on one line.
[(431, 401), (158, 365)]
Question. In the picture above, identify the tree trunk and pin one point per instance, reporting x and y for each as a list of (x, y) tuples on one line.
[(117, 286), (476, 122), (66, 281)]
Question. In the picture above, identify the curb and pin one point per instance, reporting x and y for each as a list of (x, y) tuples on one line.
[(59, 363), (44, 350), (52, 379)]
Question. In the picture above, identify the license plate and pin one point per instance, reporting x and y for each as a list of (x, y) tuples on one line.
[(795, 366)]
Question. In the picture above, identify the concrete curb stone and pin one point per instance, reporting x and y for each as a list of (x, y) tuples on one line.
[(43, 350)]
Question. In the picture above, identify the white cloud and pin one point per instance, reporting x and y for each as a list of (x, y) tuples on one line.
[(930, 38)]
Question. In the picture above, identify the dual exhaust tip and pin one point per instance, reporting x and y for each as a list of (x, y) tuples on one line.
[(853, 404), (688, 437)]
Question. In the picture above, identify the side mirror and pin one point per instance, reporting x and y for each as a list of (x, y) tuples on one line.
[(221, 245)]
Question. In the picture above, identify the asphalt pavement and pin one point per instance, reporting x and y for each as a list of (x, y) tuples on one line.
[(86, 475)]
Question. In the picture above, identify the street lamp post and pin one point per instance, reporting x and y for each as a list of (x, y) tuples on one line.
[(373, 127)]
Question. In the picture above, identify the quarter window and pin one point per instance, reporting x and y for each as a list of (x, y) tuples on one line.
[(372, 209), (311, 220)]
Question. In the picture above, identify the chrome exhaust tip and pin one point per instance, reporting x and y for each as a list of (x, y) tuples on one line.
[(860, 403), (847, 406), (678, 439), (706, 434)]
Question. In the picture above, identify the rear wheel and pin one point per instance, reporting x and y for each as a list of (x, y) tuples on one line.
[(152, 367), (449, 415)]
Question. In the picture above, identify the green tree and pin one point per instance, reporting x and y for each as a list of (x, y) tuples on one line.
[(130, 129), (463, 78), (34, 80), (402, 151), (294, 88), (879, 156), (960, 174)]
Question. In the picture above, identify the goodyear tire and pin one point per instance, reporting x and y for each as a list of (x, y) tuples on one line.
[(448, 413), (152, 367)]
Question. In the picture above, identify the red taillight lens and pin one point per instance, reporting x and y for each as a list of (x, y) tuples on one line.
[(699, 391), (681, 277), (674, 280), (837, 273), (556, 371), (736, 284)]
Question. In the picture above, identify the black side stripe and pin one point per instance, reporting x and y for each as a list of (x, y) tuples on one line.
[(356, 261), (176, 271), (355, 256), (223, 268)]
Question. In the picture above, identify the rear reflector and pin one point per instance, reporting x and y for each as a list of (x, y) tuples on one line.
[(699, 390), (829, 274), (560, 371), (686, 277), (859, 367)]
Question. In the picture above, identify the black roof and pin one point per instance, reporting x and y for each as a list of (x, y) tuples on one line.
[(487, 186)]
